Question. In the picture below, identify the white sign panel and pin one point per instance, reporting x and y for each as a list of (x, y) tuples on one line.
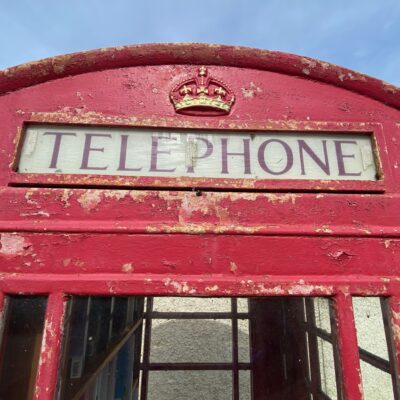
[(237, 155)]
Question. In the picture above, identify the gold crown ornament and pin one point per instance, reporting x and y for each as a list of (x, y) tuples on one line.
[(202, 95)]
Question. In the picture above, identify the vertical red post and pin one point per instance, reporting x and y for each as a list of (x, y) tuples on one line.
[(348, 347), (394, 303), (46, 379), (2, 305), (2, 302)]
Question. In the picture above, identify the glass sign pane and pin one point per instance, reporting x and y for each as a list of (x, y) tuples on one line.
[(138, 152)]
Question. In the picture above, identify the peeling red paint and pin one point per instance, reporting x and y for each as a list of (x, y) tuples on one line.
[(13, 245), (46, 378), (69, 234)]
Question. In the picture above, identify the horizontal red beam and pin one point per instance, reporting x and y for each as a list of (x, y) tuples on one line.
[(151, 211), (197, 285), (178, 254)]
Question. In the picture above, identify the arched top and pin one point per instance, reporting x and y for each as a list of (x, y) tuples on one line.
[(33, 73)]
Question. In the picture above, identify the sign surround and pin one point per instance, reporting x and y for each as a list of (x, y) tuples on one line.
[(116, 151)]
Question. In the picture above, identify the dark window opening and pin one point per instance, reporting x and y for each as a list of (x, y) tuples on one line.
[(20, 346), (164, 348)]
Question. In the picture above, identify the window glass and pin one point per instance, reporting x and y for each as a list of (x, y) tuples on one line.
[(189, 340), (101, 352), (374, 343), (184, 385), (322, 313), (133, 348), (377, 384), (191, 304), (327, 368), (243, 340), (20, 346), (370, 328)]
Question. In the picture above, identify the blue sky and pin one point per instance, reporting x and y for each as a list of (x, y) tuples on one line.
[(363, 35)]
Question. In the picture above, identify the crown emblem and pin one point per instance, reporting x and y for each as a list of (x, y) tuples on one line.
[(202, 95)]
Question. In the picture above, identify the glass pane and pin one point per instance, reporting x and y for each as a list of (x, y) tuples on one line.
[(190, 340), (102, 342), (20, 348), (327, 368), (191, 304), (245, 385), (243, 339), (321, 314), (291, 357), (372, 334), (120, 309), (285, 348), (190, 385), (377, 385), (242, 305), (370, 327)]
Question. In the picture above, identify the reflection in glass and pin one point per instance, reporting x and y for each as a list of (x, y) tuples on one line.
[(269, 348), (293, 356), (192, 348), (20, 346), (101, 348), (184, 385), (374, 342)]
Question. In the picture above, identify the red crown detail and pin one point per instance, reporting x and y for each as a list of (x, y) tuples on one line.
[(202, 95)]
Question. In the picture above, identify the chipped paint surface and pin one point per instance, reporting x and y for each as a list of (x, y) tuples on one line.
[(191, 53), (289, 197), (199, 237), (46, 378), (127, 267), (90, 199), (13, 245), (178, 287), (251, 91)]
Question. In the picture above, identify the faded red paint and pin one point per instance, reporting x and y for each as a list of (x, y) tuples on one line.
[(46, 379), (395, 307), (347, 338), (156, 235)]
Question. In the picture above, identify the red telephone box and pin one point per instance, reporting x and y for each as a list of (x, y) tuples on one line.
[(256, 188)]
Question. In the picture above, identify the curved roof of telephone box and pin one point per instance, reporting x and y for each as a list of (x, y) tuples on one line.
[(36, 72)]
